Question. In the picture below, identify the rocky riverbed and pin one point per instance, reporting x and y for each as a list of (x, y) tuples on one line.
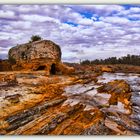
[(33, 103)]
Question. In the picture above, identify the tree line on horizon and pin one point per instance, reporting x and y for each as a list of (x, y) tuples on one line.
[(129, 59)]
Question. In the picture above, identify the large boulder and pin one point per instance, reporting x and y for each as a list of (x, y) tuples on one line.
[(44, 49), (38, 55)]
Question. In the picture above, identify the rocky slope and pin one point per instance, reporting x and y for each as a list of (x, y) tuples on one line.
[(33, 103)]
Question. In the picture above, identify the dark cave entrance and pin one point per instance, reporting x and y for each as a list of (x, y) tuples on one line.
[(41, 68), (53, 69)]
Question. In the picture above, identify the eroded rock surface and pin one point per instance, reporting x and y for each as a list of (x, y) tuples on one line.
[(36, 50), (120, 92), (67, 105), (38, 56)]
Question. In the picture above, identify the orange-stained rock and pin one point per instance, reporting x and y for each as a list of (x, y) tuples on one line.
[(39, 55), (35, 56), (44, 49), (64, 69), (5, 65), (37, 106), (119, 90), (13, 98), (106, 69), (8, 79)]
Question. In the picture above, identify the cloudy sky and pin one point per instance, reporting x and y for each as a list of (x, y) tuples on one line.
[(82, 31)]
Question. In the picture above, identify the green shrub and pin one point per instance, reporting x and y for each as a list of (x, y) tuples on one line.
[(35, 38)]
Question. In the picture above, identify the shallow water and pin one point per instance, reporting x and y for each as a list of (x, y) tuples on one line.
[(89, 91), (87, 95), (132, 79)]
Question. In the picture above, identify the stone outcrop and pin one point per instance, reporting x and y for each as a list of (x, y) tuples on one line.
[(44, 49), (65, 105), (120, 92), (39, 55)]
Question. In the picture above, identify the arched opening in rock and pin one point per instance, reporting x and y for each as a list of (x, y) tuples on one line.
[(53, 69), (41, 68)]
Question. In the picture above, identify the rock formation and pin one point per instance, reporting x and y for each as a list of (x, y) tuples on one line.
[(38, 55), (120, 92), (44, 49), (65, 105)]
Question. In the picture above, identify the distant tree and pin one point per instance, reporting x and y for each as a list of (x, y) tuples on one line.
[(129, 59), (86, 62), (35, 38)]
